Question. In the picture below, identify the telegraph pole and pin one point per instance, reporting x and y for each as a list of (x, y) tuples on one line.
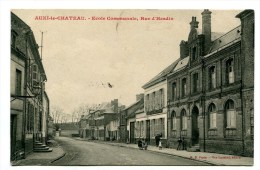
[(42, 32)]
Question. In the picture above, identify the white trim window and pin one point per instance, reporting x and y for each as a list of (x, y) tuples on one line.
[(230, 114), (212, 116), (212, 72), (174, 121), (183, 120), (230, 71)]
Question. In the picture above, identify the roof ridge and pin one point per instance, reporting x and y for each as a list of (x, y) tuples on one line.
[(226, 33)]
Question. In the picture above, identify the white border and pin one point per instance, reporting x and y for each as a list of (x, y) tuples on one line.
[(6, 6)]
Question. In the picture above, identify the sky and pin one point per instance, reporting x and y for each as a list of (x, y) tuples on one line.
[(80, 56)]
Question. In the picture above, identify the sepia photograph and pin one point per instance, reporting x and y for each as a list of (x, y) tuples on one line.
[(132, 87)]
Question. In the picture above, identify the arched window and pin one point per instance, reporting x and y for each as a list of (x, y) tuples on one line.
[(174, 121), (183, 120), (230, 114), (212, 116), (230, 71)]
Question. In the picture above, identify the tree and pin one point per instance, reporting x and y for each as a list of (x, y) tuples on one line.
[(57, 114)]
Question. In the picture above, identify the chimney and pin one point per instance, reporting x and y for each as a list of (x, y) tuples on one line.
[(184, 50), (194, 23), (115, 104), (139, 96), (206, 28)]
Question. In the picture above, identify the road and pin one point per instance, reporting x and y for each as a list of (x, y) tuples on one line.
[(89, 153)]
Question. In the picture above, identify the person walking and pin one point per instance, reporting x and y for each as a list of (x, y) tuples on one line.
[(157, 138), (179, 143), (139, 144)]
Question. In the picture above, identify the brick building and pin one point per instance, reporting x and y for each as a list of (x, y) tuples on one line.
[(29, 102), (210, 91)]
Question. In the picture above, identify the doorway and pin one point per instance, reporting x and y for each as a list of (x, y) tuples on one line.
[(132, 132), (148, 131), (195, 128)]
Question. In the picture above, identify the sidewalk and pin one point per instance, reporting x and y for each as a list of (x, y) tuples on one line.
[(42, 158), (211, 158)]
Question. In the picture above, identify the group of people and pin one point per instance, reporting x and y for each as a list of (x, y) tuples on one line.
[(142, 144), (181, 144)]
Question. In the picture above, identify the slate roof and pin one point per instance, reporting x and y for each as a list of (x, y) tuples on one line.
[(162, 75), (225, 40), (182, 64)]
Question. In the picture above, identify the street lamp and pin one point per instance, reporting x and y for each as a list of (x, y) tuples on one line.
[(36, 91)]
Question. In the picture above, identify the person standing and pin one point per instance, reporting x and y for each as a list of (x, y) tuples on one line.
[(157, 138), (179, 144)]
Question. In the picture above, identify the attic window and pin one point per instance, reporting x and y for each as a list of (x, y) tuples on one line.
[(238, 31), (219, 41)]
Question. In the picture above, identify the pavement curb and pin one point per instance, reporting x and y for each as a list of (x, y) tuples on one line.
[(59, 157), (119, 145)]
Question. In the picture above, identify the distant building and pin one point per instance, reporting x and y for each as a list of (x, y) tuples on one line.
[(94, 125), (69, 129), (128, 119), (28, 113)]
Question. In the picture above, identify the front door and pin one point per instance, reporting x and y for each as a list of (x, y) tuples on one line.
[(148, 131), (195, 128), (132, 132)]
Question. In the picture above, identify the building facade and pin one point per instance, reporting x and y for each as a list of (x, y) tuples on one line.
[(210, 100), (155, 106), (27, 90)]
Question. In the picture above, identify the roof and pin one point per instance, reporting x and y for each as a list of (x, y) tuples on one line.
[(182, 64), (226, 39), (140, 110), (132, 104), (214, 35), (162, 75)]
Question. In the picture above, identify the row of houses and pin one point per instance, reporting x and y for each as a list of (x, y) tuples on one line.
[(206, 96), (29, 100)]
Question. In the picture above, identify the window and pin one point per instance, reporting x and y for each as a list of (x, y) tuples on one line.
[(212, 77), (174, 121), (162, 98), (147, 103), (230, 114), (183, 120), (195, 82), (174, 91), (184, 87), (153, 100), (212, 116), (18, 82), (230, 71)]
